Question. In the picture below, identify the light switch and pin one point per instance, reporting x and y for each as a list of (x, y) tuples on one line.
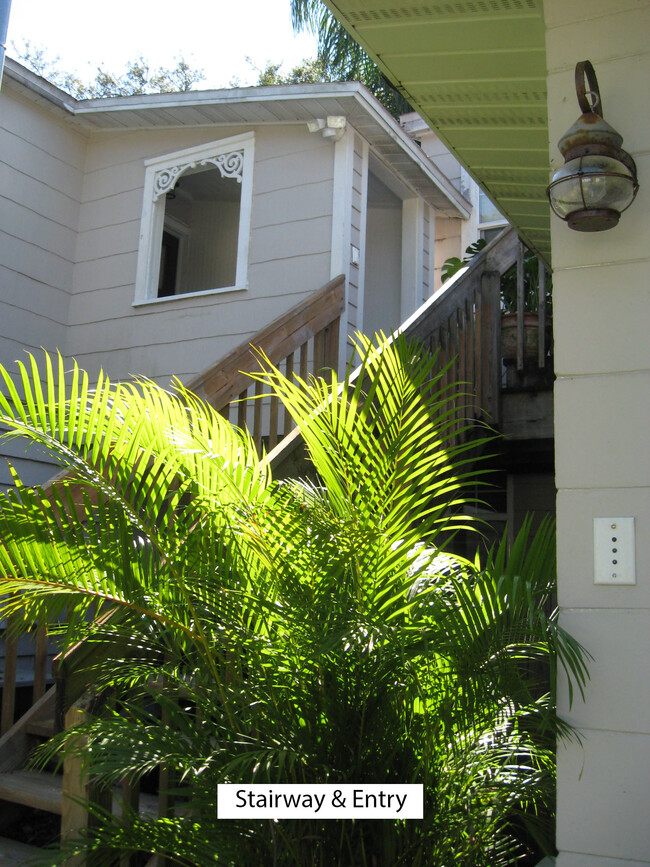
[(614, 559)]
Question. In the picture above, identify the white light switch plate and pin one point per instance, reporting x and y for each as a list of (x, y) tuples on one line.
[(614, 559)]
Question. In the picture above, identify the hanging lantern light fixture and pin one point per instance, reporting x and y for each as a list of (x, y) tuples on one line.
[(598, 180)]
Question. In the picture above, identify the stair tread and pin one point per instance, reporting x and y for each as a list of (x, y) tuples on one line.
[(13, 854), (43, 728), (32, 789), (43, 791)]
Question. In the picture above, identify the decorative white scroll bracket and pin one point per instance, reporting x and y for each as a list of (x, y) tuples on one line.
[(230, 165)]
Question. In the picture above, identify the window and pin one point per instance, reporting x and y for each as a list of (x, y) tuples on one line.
[(490, 221), (196, 220)]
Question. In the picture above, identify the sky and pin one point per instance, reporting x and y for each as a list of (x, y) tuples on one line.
[(213, 35)]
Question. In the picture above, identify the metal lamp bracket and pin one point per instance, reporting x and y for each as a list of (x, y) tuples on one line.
[(585, 72)]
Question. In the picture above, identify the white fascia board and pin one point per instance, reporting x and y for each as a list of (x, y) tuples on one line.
[(238, 95), (370, 106), (412, 122), (406, 143), (40, 87)]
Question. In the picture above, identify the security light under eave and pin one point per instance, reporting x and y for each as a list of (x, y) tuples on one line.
[(598, 179)]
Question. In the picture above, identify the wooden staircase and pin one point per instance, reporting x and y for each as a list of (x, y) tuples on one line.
[(21, 788), (461, 323)]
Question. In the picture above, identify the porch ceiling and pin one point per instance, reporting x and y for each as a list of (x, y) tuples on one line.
[(476, 71)]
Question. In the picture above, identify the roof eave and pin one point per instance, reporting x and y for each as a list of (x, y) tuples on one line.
[(478, 77), (308, 102)]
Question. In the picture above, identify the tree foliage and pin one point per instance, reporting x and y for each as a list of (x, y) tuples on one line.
[(288, 631), (342, 57), (138, 77), (308, 71)]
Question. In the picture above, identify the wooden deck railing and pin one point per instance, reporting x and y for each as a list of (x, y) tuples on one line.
[(304, 340), (464, 324)]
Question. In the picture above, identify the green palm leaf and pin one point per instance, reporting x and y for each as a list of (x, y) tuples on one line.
[(237, 629)]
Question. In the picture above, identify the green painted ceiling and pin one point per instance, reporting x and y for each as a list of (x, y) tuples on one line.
[(476, 71)]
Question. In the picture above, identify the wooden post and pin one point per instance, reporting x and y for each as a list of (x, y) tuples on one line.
[(332, 344), (288, 423), (273, 422), (319, 353), (40, 663), (131, 800), (521, 303), (78, 788), (304, 357), (491, 345), (257, 417), (165, 782), (9, 685), (242, 408)]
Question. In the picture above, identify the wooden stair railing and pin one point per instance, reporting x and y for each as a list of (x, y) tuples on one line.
[(10, 682), (305, 339), (462, 323)]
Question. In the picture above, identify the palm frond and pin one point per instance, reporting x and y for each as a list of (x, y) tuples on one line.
[(241, 629)]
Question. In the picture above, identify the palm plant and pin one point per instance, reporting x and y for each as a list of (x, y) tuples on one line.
[(262, 631)]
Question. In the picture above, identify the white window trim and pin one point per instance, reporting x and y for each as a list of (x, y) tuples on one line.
[(161, 174), (493, 224)]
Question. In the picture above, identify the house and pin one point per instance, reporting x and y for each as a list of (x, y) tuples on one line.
[(496, 81), (157, 235), (111, 208)]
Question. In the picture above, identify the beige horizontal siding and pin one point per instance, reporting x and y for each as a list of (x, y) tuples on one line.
[(40, 197), (117, 149), (288, 253), (34, 160), (110, 210), (278, 207), (47, 129), (297, 238), (43, 232), (41, 172)]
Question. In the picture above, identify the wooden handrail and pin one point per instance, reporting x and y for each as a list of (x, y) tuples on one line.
[(310, 330), (462, 324), (224, 380)]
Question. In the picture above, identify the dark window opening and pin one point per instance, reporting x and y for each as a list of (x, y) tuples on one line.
[(200, 239), (168, 264)]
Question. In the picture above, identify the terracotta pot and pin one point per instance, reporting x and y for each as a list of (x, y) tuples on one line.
[(531, 336)]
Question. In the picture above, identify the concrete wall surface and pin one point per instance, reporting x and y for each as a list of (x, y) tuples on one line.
[(602, 419)]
